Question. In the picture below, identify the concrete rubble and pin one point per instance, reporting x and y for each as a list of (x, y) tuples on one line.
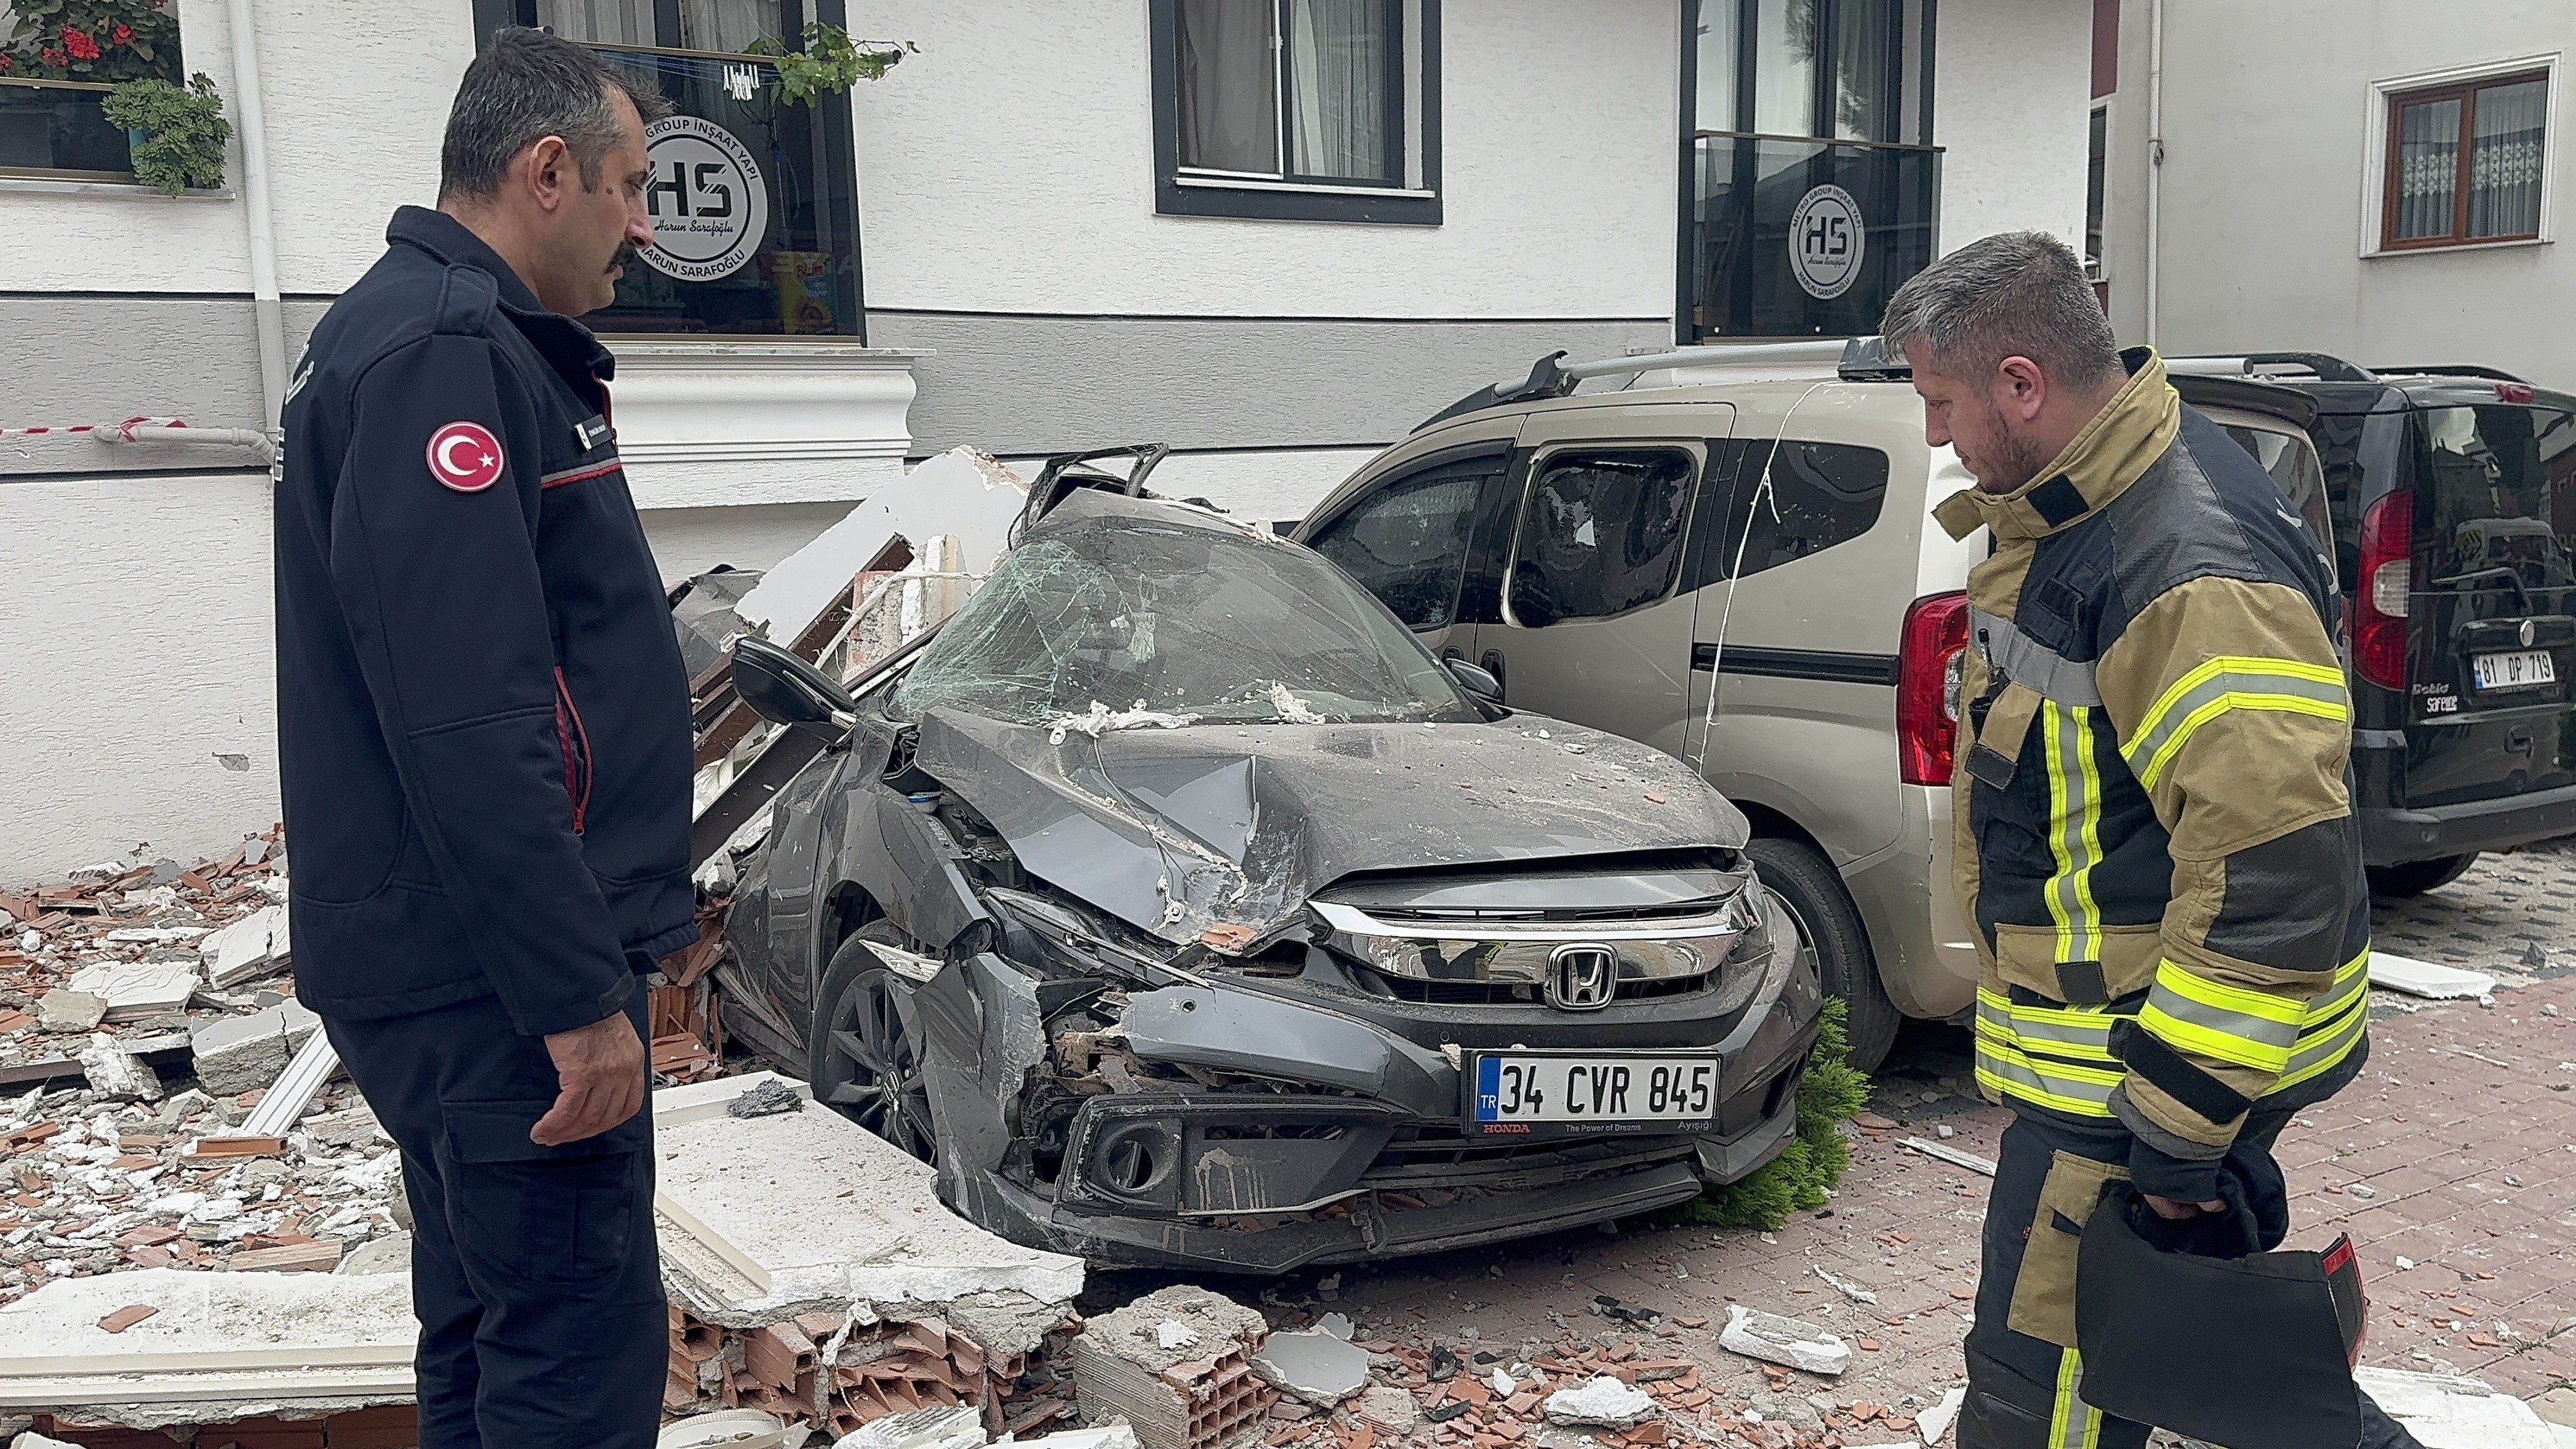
[(2428, 979), (1313, 1367), (242, 1053), (1199, 1396), (1603, 1402), (1775, 1339), (2446, 1412), (251, 947)]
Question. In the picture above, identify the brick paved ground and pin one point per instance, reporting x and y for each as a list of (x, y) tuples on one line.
[(2455, 1151)]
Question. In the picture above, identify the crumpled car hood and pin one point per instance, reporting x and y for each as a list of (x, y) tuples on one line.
[(1219, 832)]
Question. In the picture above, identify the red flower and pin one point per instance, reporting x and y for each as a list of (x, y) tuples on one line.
[(6, 61), (52, 57), (77, 41), (123, 34)]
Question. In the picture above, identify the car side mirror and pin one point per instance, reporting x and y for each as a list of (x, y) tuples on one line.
[(1476, 681), (784, 689)]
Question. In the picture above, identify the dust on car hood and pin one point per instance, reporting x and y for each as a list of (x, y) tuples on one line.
[(1218, 833)]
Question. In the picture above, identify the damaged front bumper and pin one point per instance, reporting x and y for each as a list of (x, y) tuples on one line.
[(1350, 1142)]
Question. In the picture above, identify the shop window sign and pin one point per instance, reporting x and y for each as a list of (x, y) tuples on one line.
[(754, 202)]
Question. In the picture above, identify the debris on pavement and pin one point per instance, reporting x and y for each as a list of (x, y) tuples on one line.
[(1313, 1367), (246, 1053), (1605, 1402), (2429, 980), (134, 990), (1198, 1397), (116, 1073), (251, 947), (1775, 1339), (1844, 1286), (765, 1097), (942, 1428), (66, 1010), (2446, 1412), (1934, 1422), (1951, 1155)]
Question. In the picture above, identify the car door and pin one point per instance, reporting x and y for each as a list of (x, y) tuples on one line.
[(1407, 534), (1807, 579), (1594, 622)]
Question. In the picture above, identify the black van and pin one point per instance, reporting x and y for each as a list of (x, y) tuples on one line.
[(2453, 496)]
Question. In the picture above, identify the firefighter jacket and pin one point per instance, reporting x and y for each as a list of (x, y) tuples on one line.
[(2154, 830)]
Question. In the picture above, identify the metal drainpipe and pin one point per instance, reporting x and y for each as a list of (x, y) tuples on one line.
[(2155, 157), (266, 309)]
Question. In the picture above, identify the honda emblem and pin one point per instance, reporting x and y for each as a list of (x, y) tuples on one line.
[(1582, 977)]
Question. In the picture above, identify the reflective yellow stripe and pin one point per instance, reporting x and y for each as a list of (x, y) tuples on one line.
[(2226, 683), (2249, 1028), (2072, 1423), (2061, 1086), (2075, 829), (2068, 1031), (2335, 1022)]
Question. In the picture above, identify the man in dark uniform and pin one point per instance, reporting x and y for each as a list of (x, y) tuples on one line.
[(2154, 826), (484, 738)]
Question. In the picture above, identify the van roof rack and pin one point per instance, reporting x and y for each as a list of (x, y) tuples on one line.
[(1858, 359), (2324, 366), (2450, 369)]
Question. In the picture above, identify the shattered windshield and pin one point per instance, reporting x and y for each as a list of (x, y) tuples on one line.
[(1119, 622)]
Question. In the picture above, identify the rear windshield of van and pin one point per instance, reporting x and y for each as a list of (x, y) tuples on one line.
[(2500, 483)]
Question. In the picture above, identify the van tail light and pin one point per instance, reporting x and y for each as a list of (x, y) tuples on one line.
[(1930, 669), (2387, 577)]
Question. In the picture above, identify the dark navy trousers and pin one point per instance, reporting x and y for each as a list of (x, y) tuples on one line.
[(534, 1269)]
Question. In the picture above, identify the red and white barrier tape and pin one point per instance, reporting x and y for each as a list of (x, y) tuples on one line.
[(124, 430)]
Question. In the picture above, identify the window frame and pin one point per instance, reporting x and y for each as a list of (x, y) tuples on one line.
[(2378, 222), (1413, 94), (1693, 453)]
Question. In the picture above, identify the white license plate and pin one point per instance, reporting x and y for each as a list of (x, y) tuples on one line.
[(2514, 670), (1605, 1089)]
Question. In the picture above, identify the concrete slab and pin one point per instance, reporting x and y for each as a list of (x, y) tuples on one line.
[(962, 492), (248, 948), (239, 1053), (2428, 979), (134, 990), (809, 1211), (216, 1336), (2443, 1412)]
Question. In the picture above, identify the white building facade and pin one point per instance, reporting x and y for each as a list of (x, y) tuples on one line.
[(2380, 181), (1274, 234)]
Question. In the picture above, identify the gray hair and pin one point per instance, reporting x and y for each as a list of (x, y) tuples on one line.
[(531, 84), (2018, 293)]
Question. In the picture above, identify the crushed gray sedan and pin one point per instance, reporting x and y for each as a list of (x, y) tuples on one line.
[(1186, 912)]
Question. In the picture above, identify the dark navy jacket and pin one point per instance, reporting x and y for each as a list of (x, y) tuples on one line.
[(483, 725)]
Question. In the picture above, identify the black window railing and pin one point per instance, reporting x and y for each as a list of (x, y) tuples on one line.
[(1796, 237), (56, 129)]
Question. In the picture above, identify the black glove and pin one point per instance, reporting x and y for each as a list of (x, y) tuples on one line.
[(2257, 1212)]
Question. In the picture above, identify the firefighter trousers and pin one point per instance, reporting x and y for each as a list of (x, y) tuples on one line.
[(2026, 1392)]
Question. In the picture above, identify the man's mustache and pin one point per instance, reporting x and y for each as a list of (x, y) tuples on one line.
[(626, 257)]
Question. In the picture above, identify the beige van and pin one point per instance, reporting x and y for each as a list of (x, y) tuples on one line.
[(1732, 559)]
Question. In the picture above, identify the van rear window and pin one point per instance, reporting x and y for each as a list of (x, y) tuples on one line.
[(2499, 485)]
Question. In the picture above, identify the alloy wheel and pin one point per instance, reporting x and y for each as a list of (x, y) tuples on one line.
[(873, 1073)]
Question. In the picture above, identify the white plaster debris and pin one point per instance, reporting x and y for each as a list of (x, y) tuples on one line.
[(1292, 710), (730, 1429), (1935, 1421), (1774, 1339), (962, 493), (1604, 1402), (1951, 1155), (1172, 1333), (2444, 1412), (137, 989), (934, 1428), (1100, 719), (315, 1325), (1844, 1286), (1315, 1367), (1339, 1325), (869, 1225), (250, 947), (1503, 1384), (2429, 980), (115, 1072)]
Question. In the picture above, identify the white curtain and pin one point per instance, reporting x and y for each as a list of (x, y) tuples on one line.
[(2428, 145), (1338, 66), (609, 22), (1229, 97), (2505, 160)]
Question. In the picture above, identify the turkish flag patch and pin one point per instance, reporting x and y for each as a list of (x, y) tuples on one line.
[(465, 456)]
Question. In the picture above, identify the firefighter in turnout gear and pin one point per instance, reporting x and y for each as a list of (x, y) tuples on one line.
[(2154, 836)]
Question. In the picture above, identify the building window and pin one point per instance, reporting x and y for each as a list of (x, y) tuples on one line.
[(55, 77), (1308, 110), (2097, 152), (754, 201), (1811, 173), (2465, 162)]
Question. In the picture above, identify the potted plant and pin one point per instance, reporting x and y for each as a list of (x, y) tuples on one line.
[(182, 132)]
